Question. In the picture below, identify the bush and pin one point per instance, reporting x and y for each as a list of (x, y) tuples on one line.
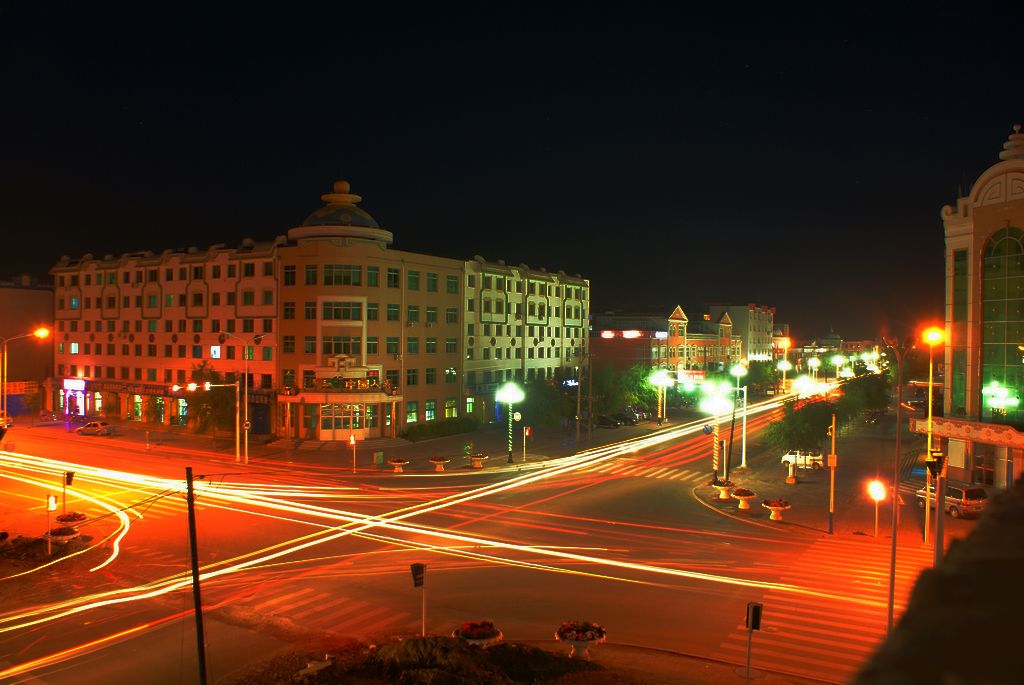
[(437, 429)]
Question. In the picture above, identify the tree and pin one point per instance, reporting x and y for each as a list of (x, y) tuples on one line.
[(212, 409), (761, 375), (862, 394), (801, 427)]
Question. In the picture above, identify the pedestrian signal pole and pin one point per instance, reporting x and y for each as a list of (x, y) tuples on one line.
[(418, 573), (754, 610), (832, 462)]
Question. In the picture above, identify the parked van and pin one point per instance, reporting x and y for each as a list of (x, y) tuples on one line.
[(961, 500), (803, 460)]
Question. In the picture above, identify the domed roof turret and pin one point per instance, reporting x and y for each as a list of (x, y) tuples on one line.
[(340, 218)]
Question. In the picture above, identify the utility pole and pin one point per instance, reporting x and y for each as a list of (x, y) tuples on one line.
[(898, 352), (590, 396), (832, 463), (196, 599), (579, 393)]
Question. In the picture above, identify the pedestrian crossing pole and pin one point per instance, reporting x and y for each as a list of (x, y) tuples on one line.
[(715, 452), (832, 463)]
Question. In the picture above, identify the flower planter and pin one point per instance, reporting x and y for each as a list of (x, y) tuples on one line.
[(723, 490), (70, 518), (439, 462), (477, 460), (580, 635), (743, 496), (776, 507), (62, 535), (397, 464), (482, 634)]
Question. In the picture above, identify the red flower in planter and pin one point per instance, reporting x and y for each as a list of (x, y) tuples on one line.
[(483, 630), (742, 492), (580, 631), (779, 502)]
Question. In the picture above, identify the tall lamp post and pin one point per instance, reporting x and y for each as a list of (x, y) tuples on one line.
[(41, 333), (813, 363), (248, 348), (932, 336), (898, 353), (661, 381), (784, 366), (837, 363), (739, 371), (509, 394)]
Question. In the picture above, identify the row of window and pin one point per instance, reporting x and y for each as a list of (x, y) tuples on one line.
[(517, 353), (353, 344), (151, 350), (153, 325), (430, 376), (569, 332), (353, 311), (169, 300), (533, 309), (340, 417), (125, 373), (501, 283), (352, 274), (490, 376), (152, 275)]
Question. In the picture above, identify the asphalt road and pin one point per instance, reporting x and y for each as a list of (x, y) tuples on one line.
[(629, 536)]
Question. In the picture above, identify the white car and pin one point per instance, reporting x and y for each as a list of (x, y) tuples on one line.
[(95, 428), (804, 460)]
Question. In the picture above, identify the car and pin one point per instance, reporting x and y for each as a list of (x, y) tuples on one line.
[(627, 418), (6, 421), (95, 428), (605, 421), (803, 459), (961, 499)]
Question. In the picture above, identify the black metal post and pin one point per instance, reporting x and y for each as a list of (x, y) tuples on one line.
[(893, 344), (732, 434), (194, 548)]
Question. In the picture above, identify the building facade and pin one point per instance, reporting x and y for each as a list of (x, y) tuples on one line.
[(334, 332), (984, 321), (26, 305), (751, 323)]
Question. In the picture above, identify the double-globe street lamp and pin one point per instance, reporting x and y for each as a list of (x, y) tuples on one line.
[(784, 365), (739, 371), (661, 380), (509, 394), (41, 333), (813, 363), (837, 362)]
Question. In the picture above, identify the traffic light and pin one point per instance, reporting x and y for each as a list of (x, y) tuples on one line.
[(528, 431), (68, 477), (935, 461), (51, 502), (352, 440)]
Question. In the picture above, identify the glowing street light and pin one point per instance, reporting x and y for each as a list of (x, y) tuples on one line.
[(739, 371), (784, 366), (837, 361), (813, 363), (932, 336), (509, 394), (41, 333), (661, 381), (876, 490)]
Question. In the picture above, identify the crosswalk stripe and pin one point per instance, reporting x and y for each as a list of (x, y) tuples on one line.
[(805, 647), (354, 621), (320, 608), (281, 598), (680, 474), (830, 671), (394, 618), (655, 474), (343, 611), (305, 601)]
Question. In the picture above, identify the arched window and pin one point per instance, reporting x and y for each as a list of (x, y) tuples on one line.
[(1002, 329)]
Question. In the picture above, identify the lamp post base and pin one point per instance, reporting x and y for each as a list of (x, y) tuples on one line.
[(510, 460)]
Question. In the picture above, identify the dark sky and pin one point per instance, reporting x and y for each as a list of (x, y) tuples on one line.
[(795, 159)]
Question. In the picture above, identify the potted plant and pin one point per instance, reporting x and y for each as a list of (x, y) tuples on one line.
[(63, 534), (776, 507), (398, 464), (580, 635), (439, 462), (724, 487), (482, 633), (744, 496), (70, 518)]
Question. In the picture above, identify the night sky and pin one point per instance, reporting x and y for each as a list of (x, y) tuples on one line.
[(671, 156)]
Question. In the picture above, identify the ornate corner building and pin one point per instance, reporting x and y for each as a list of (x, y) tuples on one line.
[(984, 317), (332, 331)]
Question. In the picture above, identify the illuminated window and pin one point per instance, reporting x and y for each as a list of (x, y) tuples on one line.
[(429, 410), (411, 412)]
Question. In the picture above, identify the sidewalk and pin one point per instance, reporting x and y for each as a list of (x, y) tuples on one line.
[(865, 453)]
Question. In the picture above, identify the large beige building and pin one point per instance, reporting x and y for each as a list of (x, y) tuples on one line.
[(339, 333)]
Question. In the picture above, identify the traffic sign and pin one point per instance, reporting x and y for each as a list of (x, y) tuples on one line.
[(707, 430), (754, 610), (418, 571), (517, 416)]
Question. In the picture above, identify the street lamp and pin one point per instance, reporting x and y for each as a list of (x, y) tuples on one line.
[(256, 340), (739, 371), (898, 351), (876, 490), (813, 363), (661, 381), (509, 394), (192, 387), (784, 366), (837, 361), (41, 333), (932, 336)]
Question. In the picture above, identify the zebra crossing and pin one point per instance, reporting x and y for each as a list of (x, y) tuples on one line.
[(822, 638), (311, 609), (646, 471)]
